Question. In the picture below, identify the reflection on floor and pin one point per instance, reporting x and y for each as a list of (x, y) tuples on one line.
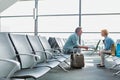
[(89, 72)]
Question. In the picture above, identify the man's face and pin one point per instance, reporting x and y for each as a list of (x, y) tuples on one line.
[(80, 32)]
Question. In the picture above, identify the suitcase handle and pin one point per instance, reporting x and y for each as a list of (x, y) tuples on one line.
[(76, 51)]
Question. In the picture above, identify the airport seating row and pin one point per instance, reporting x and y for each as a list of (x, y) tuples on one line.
[(27, 56)]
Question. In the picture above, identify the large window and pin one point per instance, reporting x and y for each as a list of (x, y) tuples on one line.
[(58, 24), (96, 23), (18, 17), (17, 24), (100, 6), (63, 16), (58, 7)]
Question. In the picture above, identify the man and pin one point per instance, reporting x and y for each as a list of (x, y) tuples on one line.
[(108, 42), (73, 42)]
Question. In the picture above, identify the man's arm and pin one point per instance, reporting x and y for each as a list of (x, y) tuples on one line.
[(85, 47)]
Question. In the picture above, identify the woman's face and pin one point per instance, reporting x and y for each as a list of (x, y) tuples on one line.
[(103, 34)]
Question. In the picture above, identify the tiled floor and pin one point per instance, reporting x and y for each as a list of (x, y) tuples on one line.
[(89, 72)]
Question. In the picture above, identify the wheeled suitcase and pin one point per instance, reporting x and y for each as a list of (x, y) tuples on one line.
[(77, 61)]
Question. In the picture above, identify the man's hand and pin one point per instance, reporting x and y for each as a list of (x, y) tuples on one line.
[(86, 47), (99, 53)]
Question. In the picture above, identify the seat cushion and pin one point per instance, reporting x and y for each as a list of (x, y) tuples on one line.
[(50, 64), (4, 79), (66, 55), (31, 73), (60, 58)]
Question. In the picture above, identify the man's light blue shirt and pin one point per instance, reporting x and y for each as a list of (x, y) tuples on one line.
[(72, 42), (108, 43)]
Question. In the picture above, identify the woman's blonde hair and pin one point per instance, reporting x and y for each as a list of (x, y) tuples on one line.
[(105, 31)]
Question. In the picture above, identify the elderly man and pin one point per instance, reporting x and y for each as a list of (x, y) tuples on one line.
[(73, 42)]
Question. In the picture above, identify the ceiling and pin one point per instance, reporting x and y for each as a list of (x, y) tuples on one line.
[(4, 4)]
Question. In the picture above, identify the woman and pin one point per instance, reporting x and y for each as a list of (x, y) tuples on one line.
[(108, 42)]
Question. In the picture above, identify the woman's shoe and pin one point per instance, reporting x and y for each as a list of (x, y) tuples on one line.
[(99, 65)]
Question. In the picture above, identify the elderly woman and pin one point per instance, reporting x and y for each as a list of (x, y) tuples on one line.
[(108, 42)]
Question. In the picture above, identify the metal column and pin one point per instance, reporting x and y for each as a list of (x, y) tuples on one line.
[(79, 19), (79, 13), (0, 23), (36, 18)]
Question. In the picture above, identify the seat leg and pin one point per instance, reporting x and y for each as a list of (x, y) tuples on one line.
[(63, 68), (93, 52), (64, 56), (67, 63), (116, 73), (114, 66)]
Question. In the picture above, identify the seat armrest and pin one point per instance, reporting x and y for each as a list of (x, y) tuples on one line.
[(34, 58), (15, 68), (57, 51), (32, 55), (45, 52), (115, 58), (54, 50), (10, 61)]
